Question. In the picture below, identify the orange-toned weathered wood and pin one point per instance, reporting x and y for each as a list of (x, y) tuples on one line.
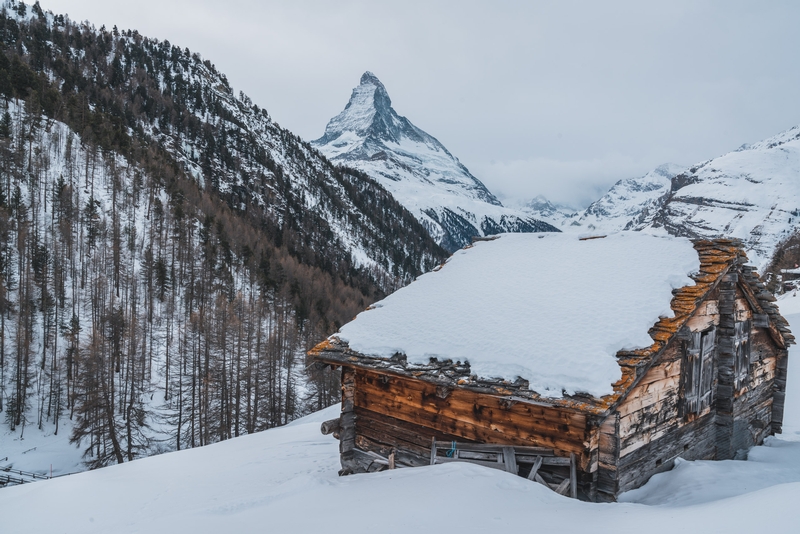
[(472, 416)]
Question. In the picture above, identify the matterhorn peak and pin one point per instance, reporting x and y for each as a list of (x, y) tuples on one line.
[(370, 79), (417, 169), (368, 110)]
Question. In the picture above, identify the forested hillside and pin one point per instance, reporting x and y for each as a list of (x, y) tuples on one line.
[(168, 252)]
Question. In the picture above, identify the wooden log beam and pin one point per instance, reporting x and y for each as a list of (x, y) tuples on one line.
[(330, 426), (573, 477)]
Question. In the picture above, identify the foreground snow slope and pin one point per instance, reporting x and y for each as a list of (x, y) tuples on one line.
[(284, 480)]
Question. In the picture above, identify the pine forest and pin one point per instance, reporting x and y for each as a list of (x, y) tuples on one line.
[(167, 252)]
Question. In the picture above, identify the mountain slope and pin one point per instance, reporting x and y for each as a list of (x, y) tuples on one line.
[(168, 252), (631, 203), (418, 170), (752, 193)]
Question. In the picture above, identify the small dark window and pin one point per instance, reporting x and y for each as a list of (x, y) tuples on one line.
[(698, 370), (741, 346)]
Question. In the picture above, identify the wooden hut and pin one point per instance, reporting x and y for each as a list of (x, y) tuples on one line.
[(708, 383)]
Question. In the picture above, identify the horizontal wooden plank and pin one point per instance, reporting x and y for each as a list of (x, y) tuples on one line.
[(475, 431), (477, 417), (546, 460), (488, 447), (391, 431), (426, 393)]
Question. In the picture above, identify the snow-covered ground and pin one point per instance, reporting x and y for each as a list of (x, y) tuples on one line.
[(285, 480)]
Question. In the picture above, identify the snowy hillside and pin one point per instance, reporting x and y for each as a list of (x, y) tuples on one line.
[(752, 193), (167, 251), (285, 480), (418, 170)]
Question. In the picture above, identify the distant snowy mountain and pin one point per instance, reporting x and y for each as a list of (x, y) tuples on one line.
[(631, 203), (417, 169), (752, 193), (558, 215)]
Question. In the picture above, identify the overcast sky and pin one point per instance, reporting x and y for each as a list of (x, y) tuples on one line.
[(553, 98)]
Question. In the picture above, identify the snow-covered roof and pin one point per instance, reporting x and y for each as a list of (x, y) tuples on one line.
[(551, 308)]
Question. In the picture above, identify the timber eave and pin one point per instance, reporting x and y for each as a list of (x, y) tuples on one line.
[(446, 374)]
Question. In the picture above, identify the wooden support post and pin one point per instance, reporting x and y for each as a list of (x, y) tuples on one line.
[(725, 369), (573, 476), (779, 392), (433, 450), (347, 425), (510, 459)]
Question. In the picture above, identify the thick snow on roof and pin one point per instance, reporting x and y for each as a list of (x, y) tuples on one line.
[(550, 308)]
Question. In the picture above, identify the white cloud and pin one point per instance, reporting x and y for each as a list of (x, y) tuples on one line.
[(572, 182)]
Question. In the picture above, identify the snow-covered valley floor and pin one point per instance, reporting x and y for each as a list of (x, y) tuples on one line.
[(285, 480)]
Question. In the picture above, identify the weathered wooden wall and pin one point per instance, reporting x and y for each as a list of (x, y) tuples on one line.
[(752, 406), (651, 428), (402, 415), (652, 431)]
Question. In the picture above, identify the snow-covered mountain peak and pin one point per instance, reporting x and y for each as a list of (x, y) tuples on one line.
[(542, 208), (368, 78), (369, 104), (418, 170), (369, 118), (631, 203)]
